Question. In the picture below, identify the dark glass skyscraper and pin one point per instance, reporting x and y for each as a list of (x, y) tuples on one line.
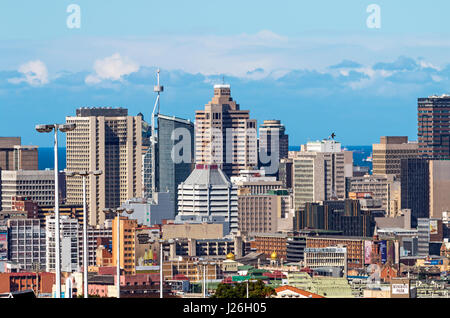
[(170, 173), (415, 188)]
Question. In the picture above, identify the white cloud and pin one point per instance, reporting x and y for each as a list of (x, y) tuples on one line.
[(111, 68), (35, 73)]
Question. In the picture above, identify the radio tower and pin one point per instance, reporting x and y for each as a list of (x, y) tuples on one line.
[(154, 139)]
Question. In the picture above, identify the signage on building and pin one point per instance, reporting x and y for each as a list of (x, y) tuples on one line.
[(367, 252), (326, 250), (400, 289), (3, 245), (433, 227), (383, 251)]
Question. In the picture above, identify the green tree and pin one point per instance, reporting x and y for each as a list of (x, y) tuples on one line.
[(239, 290)]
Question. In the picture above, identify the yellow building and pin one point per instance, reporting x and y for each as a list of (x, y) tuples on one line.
[(127, 244)]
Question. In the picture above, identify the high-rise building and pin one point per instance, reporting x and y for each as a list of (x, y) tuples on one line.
[(273, 143), (27, 243), (207, 195), (380, 187), (14, 156), (415, 186), (95, 235), (225, 135), (69, 244), (319, 172), (127, 244), (388, 153), (104, 139), (434, 127), (174, 165), (338, 215), (439, 187), (38, 185)]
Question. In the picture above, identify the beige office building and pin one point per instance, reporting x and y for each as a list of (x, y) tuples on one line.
[(319, 172), (388, 154), (38, 185), (225, 134), (104, 139), (381, 187), (14, 156), (439, 187)]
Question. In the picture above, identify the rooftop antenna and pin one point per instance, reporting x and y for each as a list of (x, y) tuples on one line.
[(158, 89)]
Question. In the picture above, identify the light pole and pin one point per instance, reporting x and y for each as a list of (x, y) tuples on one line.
[(47, 129), (84, 174), (118, 212), (161, 260), (204, 264)]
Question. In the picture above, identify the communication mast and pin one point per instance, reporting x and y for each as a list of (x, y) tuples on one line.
[(154, 138)]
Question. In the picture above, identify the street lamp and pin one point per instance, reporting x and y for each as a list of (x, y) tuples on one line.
[(118, 212), (47, 129), (84, 174), (204, 264)]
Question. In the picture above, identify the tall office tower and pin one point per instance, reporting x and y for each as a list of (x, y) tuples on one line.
[(415, 194), (27, 244), (319, 172), (434, 127), (273, 133), (225, 135), (207, 195), (14, 156), (104, 139), (439, 187), (69, 244), (174, 164), (38, 185), (388, 153)]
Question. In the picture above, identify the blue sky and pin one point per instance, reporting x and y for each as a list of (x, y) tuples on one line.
[(314, 65)]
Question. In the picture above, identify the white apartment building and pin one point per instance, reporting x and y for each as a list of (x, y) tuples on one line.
[(69, 228)]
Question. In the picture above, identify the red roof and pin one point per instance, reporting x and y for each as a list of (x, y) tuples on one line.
[(180, 277), (298, 291)]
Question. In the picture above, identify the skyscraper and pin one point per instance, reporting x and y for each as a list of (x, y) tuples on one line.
[(434, 127), (104, 139), (174, 164), (415, 188), (207, 195), (225, 135), (269, 128), (388, 153), (319, 172)]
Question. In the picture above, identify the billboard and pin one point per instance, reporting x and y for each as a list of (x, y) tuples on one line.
[(3, 245), (433, 227), (368, 252), (400, 289), (383, 251)]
